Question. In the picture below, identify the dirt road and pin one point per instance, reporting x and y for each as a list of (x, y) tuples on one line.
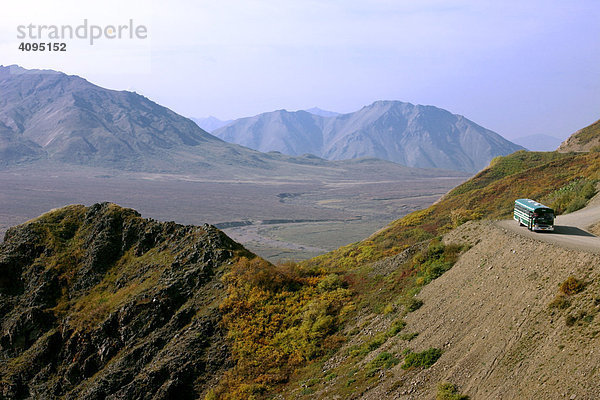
[(570, 230)]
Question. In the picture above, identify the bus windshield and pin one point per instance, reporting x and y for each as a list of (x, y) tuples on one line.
[(544, 213)]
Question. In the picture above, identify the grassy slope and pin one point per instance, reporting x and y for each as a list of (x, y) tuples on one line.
[(312, 308), (588, 133), (490, 194)]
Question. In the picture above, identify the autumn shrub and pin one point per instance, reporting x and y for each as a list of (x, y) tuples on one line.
[(460, 215), (571, 286), (330, 282)]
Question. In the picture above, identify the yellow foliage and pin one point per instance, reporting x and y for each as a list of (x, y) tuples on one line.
[(416, 218), (277, 318)]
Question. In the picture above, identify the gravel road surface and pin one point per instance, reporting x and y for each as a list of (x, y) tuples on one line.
[(570, 230)]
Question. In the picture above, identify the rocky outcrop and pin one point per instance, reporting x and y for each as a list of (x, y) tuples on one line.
[(100, 303), (583, 140)]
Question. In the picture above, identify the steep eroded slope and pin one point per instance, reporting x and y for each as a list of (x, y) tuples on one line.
[(99, 303)]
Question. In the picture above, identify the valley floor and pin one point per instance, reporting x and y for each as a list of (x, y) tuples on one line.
[(277, 218)]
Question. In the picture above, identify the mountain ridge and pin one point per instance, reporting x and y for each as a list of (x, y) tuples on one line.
[(123, 306), (49, 116), (413, 135), (321, 112)]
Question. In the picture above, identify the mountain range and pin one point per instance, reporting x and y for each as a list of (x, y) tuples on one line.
[(210, 123), (412, 135), (48, 116)]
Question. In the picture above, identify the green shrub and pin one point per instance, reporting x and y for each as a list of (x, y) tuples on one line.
[(583, 316), (396, 327), (413, 304), (376, 342), (329, 283), (424, 359), (576, 204), (573, 196), (388, 309), (383, 360), (570, 320), (448, 391), (366, 348), (409, 336), (435, 260), (330, 377)]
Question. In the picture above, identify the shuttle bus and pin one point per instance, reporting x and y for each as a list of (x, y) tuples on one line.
[(536, 216)]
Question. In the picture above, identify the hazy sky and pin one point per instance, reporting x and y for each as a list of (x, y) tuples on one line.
[(516, 67)]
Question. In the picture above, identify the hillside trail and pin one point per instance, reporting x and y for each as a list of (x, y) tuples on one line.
[(570, 230)]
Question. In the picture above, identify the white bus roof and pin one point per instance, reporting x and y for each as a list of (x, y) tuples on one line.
[(530, 204)]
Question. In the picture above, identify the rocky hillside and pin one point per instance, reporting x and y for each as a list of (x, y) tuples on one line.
[(96, 303), (513, 318), (583, 140), (417, 136), (67, 118)]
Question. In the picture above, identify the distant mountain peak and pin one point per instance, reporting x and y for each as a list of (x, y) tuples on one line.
[(322, 113), (210, 123)]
